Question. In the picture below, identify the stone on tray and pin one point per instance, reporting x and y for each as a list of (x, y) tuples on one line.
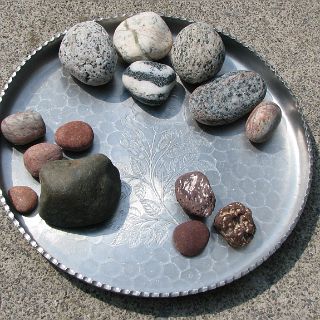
[(74, 136), (23, 199), (79, 193), (149, 82), (227, 98), (235, 223), (262, 121), (144, 36), (38, 155), (23, 127), (191, 237), (198, 53), (87, 52), (194, 194)]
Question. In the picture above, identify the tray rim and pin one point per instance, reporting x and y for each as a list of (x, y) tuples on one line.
[(97, 284)]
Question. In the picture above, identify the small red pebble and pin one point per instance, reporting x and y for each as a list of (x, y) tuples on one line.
[(74, 136), (23, 199), (191, 237)]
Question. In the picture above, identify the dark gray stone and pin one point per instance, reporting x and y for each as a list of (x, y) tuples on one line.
[(79, 193), (227, 98)]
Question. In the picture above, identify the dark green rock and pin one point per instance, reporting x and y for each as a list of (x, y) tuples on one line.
[(79, 193)]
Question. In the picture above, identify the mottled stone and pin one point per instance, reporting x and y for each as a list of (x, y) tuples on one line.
[(74, 136), (191, 237), (87, 52), (38, 155), (198, 53), (79, 193), (194, 194), (227, 98), (149, 82), (23, 127), (235, 223), (144, 36), (262, 122), (23, 199)]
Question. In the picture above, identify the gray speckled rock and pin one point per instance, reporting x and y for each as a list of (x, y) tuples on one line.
[(79, 193), (262, 121), (149, 82), (87, 52), (227, 98), (144, 36), (197, 53), (23, 127)]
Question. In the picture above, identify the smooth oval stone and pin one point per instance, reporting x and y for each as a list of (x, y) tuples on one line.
[(227, 98), (38, 155), (23, 127), (144, 36), (87, 53), (79, 193), (191, 237), (74, 136), (194, 194), (198, 53), (23, 199), (149, 82), (262, 121)]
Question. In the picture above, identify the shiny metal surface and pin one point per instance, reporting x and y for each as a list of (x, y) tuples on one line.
[(133, 253)]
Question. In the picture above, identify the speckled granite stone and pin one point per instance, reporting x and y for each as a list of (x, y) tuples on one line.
[(144, 36), (149, 82), (87, 52), (287, 285), (227, 98), (197, 53)]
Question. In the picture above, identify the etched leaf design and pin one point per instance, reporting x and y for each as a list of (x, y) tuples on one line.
[(136, 167), (151, 207), (140, 190), (165, 140), (125, 191)]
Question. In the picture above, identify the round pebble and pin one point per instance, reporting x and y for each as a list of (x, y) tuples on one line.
[(235, 223), (23, 127), (23, 199), (87, 53), (38, 155), (198, 53), (191, 237), (144, 36), (194, 194), (149, 82), (263, 121), (74, 136), (227, 98)]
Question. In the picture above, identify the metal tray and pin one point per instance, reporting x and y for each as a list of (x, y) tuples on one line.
[(133, 253)]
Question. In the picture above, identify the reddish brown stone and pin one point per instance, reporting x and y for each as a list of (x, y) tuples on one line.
[(38, 155), (74, 136), (23, 199), (191, 237)]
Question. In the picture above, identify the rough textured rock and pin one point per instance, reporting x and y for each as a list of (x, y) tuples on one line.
[(191, 237), (74, 136), (38, 155), (79, 193), (144, 36), (23, 199), (262, 122), (149, 82), (87, 52), (23, 127), (194, 194), (235, 223), (227, 98), (198, 53)]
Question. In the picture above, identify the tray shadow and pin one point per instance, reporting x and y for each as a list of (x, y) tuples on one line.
[(236, 293)]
